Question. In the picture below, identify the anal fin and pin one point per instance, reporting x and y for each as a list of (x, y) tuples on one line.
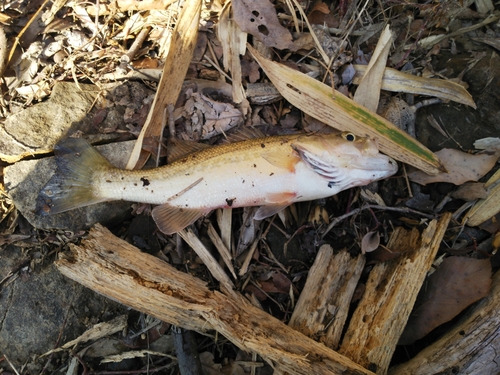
[(277, 202), (171, 219)]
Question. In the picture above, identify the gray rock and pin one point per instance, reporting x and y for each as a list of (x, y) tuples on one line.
[(103, 112), (37, 129), (24, 180), (40, 305)]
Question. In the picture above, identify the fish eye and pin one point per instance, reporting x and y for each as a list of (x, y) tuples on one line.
[(348, 136)]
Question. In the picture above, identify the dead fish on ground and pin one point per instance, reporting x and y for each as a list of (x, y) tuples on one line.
[(271, 172)]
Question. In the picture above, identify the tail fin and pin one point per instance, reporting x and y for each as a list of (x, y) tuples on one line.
[(71, 186)]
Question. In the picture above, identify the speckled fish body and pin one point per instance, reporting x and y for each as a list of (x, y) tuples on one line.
[(270, 172)]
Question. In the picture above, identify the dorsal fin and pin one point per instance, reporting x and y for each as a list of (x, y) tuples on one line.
[(178, 148), (243, 133)]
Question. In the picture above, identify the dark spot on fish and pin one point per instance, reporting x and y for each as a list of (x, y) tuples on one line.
[(135, 184), (271, 173), (187, 174), (152, 191), (243, 181), (124, 188), (181, 209), (262, 145), (255, 165), (331, 184), (123, 178), (145, 181), (230, 201)]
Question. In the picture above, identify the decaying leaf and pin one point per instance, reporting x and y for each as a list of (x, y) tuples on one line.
[(485, 209), (368, 92), (397, 81), (206, 117), (461, 167), (338, 111), (370, 242), (470, 191), (457, 283), (259, 19)]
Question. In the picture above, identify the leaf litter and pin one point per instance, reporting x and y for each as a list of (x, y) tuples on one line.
[(304, 60)]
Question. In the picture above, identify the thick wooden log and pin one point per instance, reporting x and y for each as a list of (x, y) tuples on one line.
[(118, 270), (323, 305), (391, 290), (472, 346)]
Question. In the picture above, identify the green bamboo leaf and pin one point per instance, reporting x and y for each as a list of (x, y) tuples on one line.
[(331, 107)]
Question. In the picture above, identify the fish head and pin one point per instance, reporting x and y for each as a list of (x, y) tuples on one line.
[(345, 159)]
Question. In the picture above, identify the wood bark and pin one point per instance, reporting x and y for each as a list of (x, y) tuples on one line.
[(323, 305), (120, 271), (471, 347), (391, 290)]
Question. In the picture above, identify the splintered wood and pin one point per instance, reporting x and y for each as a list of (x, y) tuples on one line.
[(391, 291), (323, 305), (114, 268)]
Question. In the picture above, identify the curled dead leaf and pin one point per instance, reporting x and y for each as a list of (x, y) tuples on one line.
[(461, 167)]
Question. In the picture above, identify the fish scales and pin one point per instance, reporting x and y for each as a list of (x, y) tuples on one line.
[(271, 172)]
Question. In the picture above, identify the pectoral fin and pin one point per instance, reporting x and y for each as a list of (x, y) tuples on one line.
[(282, 159), (170, 219)]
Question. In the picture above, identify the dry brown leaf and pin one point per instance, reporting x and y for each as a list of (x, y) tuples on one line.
[(370, 242), (470, 191), (259, 19), (457, 283), (397, 81), (368, 92), (461, 167), (485, 209)]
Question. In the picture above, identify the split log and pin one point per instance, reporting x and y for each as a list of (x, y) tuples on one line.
[(118, 270), (391, 291), (323, 305), (470, 347)]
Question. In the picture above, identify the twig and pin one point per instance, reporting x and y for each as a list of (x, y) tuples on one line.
[(10, 364), (405, 210)]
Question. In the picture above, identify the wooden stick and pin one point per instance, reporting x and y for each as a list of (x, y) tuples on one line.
[(391, 290), (118, 270), (176, 65), (470, 347), (323, 304)]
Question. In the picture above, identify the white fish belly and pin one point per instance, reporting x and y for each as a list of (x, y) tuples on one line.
[(237, 186)]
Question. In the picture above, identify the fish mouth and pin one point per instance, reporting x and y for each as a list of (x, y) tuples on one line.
[(383, 164)]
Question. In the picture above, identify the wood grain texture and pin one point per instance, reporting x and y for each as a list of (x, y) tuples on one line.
[(323, 305), (118, 270), (391, 290)]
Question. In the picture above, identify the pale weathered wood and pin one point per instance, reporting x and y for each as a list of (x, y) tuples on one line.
[(472, 346), (391, 290), (120, 271), (322, 308)]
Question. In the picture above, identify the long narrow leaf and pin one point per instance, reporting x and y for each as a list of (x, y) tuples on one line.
[(327, 105), (397, 81)]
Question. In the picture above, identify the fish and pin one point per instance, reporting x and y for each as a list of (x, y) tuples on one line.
[(271, 172)]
